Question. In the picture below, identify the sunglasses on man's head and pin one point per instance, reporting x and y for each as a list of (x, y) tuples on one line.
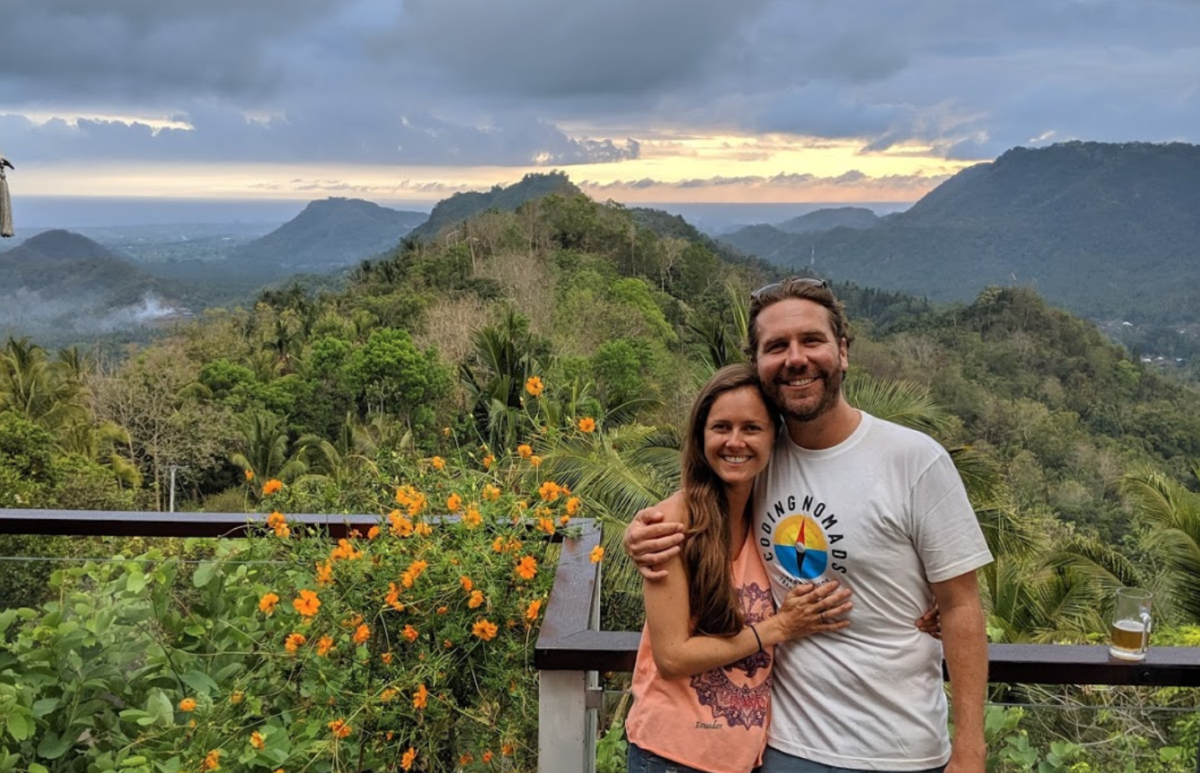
[(810, 281)]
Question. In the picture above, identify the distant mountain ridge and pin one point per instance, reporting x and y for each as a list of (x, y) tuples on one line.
[(827, 219), (1105, 230), (331, 233), (462, 206)]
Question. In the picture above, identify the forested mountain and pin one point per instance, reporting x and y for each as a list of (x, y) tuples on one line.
[(461, 206), (858, 218), (1106, 230), (329, 234)]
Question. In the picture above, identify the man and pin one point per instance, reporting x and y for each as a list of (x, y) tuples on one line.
[(882, 509)]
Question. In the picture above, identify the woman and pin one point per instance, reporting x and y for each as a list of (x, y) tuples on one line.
[(701, 685)]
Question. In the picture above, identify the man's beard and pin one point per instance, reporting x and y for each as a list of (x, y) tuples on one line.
[(806, 409)]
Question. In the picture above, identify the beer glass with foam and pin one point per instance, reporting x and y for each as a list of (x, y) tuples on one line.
[(1130, 634)]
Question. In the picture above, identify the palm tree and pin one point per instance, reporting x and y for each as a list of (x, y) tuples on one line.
[(36, 389), (503, 360), (1171, 514), (340, 462), (263, 447)]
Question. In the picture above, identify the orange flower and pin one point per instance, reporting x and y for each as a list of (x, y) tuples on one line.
[(532, 611), (535, 461), (447, 644), (237, 697), (487, 461), (344, 551), (484, 629), (401, 526), (498, 545), (454, 503), (525, 451), (249, 474), (527, 568), (386, 658), (420, 697), (534, 386), (361, 634), (439, 463), (564, 520), (410, 756), (443, 610), (294, 642), (267, 603), (307, 603), (410, 633), (508, 750), (256, 740), (340, 728), (413, 500), (278, 522), (476, 599), (550, 491), (187, 704), (414, 570), (466, 583), (546, 525), (388, 695), (424, 529), (573, 505), (597, 554), (324, 645), (472, 518), (212, 760), (491, 493), (324, 573), (487, 756), (587, 424), (373, 532), (393, 597), (466, 760), (271, 487)]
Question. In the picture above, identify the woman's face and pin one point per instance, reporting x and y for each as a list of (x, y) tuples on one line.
[(738, 436)]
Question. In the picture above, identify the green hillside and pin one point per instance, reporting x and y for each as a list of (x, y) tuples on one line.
[(1106, 230), (328, 234), (461, 206)]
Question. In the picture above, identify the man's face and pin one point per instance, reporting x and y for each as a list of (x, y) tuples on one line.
[(799, 359)]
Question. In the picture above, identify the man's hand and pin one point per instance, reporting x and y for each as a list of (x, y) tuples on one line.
[(963, 760), (649, 542)]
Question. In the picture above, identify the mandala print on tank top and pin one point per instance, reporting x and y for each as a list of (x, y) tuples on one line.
[(744, 706)]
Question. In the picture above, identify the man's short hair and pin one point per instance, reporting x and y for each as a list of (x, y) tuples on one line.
[(800, 287)]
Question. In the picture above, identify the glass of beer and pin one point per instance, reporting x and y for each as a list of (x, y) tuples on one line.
[(1131, 624)]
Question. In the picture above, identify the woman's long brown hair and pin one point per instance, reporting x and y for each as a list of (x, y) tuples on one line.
[(707, 554)]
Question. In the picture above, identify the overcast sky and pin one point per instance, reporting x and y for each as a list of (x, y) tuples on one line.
[(641, 100)]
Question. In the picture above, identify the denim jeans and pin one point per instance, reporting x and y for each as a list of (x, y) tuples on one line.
[(642, 761), (775, 761)]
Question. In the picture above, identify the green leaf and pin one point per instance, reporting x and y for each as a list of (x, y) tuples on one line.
[(170, 766), (205, 573), (160, 709), (52, 747), (20, 725), (6, 619), (36, 768), (44, 706), (136, 581), (201, 682)]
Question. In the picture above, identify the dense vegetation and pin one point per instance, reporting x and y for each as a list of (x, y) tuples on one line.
[(567, 327)]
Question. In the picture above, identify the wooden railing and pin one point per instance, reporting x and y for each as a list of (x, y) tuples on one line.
[(571, 651)]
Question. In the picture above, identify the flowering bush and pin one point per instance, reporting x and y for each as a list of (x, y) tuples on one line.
[(405, 647)]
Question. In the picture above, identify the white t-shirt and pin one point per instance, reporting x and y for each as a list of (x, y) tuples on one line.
[(886, 514)]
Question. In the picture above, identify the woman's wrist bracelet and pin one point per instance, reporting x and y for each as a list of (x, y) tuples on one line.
[(757, 638)]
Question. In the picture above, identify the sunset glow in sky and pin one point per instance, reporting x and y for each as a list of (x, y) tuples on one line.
[(670, 101)]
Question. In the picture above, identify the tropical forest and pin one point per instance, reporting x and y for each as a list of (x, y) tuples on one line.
[(478, 388)]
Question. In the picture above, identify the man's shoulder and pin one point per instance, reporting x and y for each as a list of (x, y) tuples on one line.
[(902, 439)]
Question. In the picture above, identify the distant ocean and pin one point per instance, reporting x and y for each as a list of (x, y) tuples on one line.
[(43, 212)]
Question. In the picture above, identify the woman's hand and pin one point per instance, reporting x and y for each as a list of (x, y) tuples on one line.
[(931, 622), (809, 609)]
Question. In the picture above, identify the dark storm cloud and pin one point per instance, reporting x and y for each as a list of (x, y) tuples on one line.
[(468, 82)]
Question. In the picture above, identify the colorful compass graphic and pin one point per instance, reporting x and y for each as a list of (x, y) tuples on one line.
[(801, 547)]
